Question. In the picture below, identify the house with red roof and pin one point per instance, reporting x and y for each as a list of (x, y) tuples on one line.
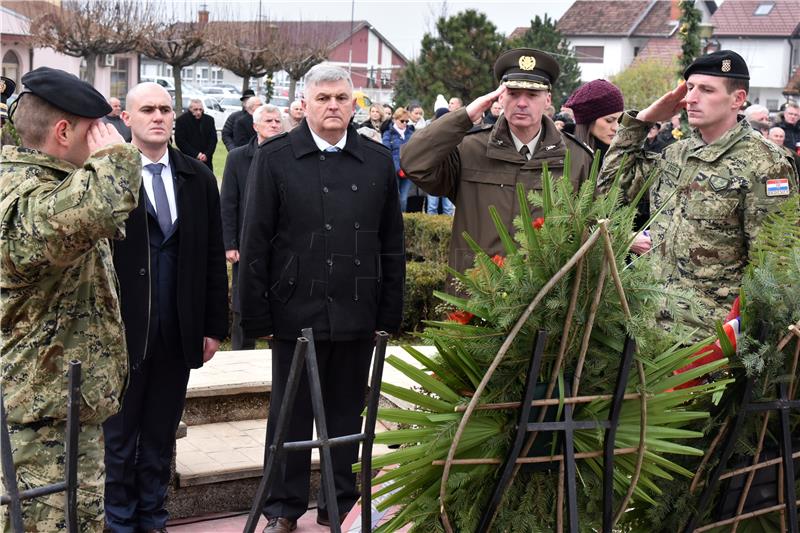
[(767, 35), (608, 35)]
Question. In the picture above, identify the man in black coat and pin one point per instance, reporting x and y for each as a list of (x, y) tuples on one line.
[(243, 128), (791, 125), (196, 134), (173, 289), (323, 244), (267, 123), (230, 122)]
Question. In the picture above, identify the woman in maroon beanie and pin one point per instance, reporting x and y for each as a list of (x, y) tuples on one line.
[(597, 106)]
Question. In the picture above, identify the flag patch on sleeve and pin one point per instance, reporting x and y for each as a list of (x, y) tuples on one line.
[(778, 187)]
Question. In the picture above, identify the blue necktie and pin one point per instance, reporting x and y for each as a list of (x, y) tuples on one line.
[(160, 193), (332, 149)]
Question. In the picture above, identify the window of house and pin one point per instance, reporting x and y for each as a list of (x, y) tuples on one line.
[(119, 77), (589, 54), (772, 104), (764, 9), (11, 66)]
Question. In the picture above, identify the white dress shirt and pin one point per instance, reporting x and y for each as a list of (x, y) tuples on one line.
[(323, 145), (166, 177), (531, 145)]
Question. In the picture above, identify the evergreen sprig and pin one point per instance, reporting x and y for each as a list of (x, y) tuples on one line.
[(496, 292)]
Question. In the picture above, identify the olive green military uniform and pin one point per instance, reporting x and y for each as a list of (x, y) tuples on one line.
[(479, 169), (60, 302), (714, 199)]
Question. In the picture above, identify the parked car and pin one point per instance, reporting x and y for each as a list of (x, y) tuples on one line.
[(216, 90), (282, 102)]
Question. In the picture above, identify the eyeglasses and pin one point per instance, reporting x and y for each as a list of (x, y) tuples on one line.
[(404, 121)]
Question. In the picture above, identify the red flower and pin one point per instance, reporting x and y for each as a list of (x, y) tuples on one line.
[(462, 317), (499, 260), (538, 223)]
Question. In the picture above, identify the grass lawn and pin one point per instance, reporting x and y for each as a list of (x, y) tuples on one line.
[(220, 155)]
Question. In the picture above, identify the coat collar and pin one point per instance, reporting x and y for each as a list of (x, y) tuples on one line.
[(181, 166), (303, 143), (711, 152), (501, 146)]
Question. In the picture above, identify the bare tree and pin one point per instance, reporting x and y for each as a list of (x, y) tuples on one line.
[(178, 44), (305, 45), (91, 28), (249, 49)]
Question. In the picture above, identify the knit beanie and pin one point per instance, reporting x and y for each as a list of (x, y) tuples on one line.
[(440, 103), (595, 99), (441, 111)]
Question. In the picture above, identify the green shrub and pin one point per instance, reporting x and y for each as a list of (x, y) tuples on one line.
[(420, 303), (427, 236)]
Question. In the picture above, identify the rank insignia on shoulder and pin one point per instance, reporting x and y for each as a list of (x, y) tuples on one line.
[(778, 187)]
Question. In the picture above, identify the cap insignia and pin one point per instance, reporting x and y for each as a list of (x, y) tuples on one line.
[(726, 65), (527, 62)]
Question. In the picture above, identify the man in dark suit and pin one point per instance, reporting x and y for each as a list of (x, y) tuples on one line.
[(196, 134), (323, 244), (171, 269), (243, 129), (230, 122), (267, 123)]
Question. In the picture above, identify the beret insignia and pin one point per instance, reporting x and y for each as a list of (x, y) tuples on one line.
[(726, 65)]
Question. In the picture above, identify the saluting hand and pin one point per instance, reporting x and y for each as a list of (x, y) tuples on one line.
[(101, 135), (478, 107), (665, 107)]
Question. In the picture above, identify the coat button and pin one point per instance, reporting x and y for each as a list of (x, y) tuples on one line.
[(356, 225), (329, 262), (325, 190), (330, 299), (266, 295), (357, 262), (355, 297), (291, 281), (142, 271), (322, 158), (354, 187), (328, 227)]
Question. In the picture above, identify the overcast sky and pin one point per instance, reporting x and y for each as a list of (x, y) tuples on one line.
[(402, 23)]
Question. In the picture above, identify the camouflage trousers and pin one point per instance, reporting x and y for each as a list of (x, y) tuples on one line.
[(39, 458)]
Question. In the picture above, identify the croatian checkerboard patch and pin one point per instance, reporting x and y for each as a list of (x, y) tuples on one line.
[(778, 187)]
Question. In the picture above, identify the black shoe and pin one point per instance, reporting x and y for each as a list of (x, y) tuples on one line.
[(280, 525), (322, 519)]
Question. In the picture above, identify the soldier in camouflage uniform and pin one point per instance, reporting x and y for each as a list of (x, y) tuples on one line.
[(714, 187), (63, 194)]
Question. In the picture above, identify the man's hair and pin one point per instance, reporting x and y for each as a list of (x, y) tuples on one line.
[(34, 117), (251, 103), (196, 101), (753, 109), (457, 99), (323, 73), (791, 103), (412, 107), (298, 102), (266, 108), (734, 84)]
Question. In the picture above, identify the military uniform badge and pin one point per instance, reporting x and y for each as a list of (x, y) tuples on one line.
[(726, 65), (778, 187), (527, 62)]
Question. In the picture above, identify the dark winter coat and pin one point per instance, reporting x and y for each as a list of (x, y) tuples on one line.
[(195, 136), (243, 130), (233, 200), (227, 129), (324, 247), (202, 284)]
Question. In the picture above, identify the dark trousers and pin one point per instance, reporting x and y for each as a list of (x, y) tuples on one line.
[(238, 340), (140, 440), (344, 370)]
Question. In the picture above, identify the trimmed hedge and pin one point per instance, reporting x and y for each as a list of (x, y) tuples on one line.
[(427, 242), (427, 236)]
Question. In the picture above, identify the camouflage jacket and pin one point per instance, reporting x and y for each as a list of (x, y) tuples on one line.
[(58, 288), (714, 198)]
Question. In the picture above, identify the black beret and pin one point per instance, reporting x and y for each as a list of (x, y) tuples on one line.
[(526, 68), (725, 63), (66, 92), (247, 94)]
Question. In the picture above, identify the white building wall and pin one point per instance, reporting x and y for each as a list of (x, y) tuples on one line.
[(617, 55), (767, 59)]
